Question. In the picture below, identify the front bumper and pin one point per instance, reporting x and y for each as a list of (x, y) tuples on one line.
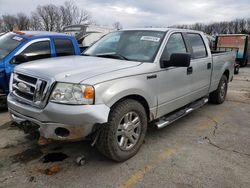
[(78, 120)]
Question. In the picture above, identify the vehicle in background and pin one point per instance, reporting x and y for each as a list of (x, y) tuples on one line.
[(236, 42), (86, 34), (211, 41), (121, 83), (248, 49), (23, 46)]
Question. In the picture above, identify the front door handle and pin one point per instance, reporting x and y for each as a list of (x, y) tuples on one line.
[(209, 65), (189, 70), (151, 76)]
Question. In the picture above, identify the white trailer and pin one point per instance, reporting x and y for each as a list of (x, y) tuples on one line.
[(87, 34)]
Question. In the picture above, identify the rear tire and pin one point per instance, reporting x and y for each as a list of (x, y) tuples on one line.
[(243, 64), (123, 135), (236, 69), (219, 95)]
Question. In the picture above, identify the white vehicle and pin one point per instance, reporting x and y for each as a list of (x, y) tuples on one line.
[(86, 35), (126, 81)]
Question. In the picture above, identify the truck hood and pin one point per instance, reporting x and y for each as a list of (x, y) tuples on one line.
[(73, 69)]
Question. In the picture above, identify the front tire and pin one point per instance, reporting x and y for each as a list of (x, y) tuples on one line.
[(219, 95), (123, 135)]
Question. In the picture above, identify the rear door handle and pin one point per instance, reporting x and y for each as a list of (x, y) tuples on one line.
[(209, 65), (189, 70)]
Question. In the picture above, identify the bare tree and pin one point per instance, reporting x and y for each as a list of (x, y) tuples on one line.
[(9, 22), (35, 22), (54, 18), (71, 14), (117, 26), (23, 21), (231, 27), (1, 25), (47, 18)]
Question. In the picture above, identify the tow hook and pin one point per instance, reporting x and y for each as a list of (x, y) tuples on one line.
[(42, 141)]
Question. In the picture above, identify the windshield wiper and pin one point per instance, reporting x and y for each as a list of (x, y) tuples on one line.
[(112, 55), (85, 54)]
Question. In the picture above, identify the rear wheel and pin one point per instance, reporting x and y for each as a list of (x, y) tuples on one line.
[(219, 95), (123, 135)]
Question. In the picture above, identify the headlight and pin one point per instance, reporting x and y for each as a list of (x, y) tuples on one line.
[(73, 94)]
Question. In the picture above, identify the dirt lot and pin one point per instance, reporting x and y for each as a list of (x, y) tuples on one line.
[(208, 148)]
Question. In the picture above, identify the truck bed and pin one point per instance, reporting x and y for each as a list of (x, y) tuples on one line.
[(220, 59)]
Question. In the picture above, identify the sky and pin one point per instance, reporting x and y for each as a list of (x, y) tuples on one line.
[(145, 13)]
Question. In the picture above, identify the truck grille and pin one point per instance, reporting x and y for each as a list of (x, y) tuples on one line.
[(29, 89)]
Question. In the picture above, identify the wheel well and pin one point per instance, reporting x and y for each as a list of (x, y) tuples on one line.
[(138, 98), (226, 73)]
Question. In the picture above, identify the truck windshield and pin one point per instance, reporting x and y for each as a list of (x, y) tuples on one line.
[(8, 43), (128, 45)]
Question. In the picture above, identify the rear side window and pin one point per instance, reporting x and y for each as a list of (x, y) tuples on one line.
[(175, 44), (64, 47), (38, 50), (197, 45)]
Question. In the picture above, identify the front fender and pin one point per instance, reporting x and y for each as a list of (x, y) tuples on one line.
[(112, 91)]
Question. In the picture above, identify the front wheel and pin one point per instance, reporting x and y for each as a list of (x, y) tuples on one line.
[(123, 135), (219, 95)]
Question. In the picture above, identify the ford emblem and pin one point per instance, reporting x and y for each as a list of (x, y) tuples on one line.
[(23, 87)]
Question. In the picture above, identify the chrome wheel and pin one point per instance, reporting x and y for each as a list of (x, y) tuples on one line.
[(129, 130)]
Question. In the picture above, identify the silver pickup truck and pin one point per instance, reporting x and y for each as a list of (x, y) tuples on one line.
[(124, 81)]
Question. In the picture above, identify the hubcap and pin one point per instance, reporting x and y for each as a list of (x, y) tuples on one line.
[(223, 90), (129, 130)]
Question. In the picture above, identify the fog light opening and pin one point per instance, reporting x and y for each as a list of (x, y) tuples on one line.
[(62, 132)]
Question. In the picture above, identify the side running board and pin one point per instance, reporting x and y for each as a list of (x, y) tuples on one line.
[(172, 117)]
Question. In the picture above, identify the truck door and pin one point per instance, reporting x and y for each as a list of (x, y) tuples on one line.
[(34, 50), (174, 82), (200, 67), (63, 47)]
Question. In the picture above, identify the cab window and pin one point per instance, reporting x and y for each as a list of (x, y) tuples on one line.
[(38, 50), (64, 47), (175, 44), (197, 44)]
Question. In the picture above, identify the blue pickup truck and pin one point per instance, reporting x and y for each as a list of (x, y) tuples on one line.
[(20, 47)]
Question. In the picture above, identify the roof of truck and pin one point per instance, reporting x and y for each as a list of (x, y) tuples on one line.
[(163, 29), (42, 33), (39, 34)]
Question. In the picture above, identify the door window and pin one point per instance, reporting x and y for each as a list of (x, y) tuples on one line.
[(38, 50), (198, 46), (175, 44), (64, 47)]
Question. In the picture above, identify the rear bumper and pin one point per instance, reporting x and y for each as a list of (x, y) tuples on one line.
[(78, 120)]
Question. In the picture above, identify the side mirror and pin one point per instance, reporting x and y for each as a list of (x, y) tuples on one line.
[(177, 60), (20, 59)]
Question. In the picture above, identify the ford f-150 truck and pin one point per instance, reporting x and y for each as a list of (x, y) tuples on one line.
[(124, 81), (22, 46)]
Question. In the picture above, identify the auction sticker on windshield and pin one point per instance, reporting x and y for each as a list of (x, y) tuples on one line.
[(17, 38), (150, 38)]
